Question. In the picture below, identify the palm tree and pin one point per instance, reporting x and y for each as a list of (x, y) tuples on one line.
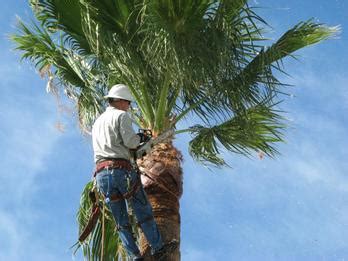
[(199, 66)]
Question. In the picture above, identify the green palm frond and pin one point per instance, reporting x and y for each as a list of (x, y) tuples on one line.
[(255, 129), (36, 45), (302, 35), (62, 16), (217, 53), (256, 81), (78, 75)]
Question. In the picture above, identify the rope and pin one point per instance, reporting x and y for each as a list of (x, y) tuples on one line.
[(103, 233), (161, 183)]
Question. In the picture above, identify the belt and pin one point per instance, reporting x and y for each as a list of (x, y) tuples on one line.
[(113, 164), (119, 164)]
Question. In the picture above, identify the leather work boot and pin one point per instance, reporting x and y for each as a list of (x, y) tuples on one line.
[(167, 248)]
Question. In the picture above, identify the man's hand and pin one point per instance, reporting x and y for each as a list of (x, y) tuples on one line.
[(145, 135), (146, 147)]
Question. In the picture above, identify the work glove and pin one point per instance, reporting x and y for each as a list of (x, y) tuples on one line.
[(143, 137)]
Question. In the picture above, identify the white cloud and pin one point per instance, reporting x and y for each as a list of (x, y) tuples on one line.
[(191, 253), (327, 91), (11, 238), (27, 137), (27, 140)]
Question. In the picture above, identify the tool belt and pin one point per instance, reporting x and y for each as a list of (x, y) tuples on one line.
[(95, 210), (119, 164), (113, 164)]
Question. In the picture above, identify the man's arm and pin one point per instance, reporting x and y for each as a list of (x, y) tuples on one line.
[(129, 137)]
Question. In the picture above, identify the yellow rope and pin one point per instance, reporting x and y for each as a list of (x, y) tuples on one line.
[(103, 233), (158, 178)]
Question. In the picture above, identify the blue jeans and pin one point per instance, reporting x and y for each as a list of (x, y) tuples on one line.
[(120, 181)]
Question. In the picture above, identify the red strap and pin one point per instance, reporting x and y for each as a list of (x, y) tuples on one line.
[(91, 223), (127, 195), (113, 164)]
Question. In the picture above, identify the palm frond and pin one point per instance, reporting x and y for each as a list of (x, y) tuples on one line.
[(64, 17), (78, 75), (35, 45), (255, 129), (246, 85), (218, 53)]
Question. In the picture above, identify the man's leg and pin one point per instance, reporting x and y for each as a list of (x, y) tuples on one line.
[(119, 211), (144, 215), (106, 181)]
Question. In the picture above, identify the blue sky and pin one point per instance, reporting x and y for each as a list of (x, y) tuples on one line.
[(293, 207)]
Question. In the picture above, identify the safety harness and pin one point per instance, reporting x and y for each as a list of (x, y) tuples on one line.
[(95, 211), (118, 164), (112, 164)]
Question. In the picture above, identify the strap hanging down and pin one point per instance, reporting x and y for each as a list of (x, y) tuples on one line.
[(127, 195), (91, 223)]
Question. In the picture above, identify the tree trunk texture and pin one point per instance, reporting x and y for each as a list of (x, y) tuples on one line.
[(162, 180)]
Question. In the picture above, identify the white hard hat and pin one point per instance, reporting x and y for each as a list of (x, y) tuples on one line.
[(120, 91)]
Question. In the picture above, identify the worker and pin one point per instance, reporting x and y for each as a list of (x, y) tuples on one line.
[(113, 138)]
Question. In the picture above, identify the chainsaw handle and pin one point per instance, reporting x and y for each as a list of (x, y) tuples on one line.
[(145, 135), (146, 132)]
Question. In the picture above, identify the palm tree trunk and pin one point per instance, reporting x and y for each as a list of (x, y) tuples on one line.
[(162, 179)]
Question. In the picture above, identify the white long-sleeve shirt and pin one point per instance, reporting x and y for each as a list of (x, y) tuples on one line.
[(113, 135)]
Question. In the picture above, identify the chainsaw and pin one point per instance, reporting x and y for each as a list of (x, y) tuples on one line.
[(146, 147)]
